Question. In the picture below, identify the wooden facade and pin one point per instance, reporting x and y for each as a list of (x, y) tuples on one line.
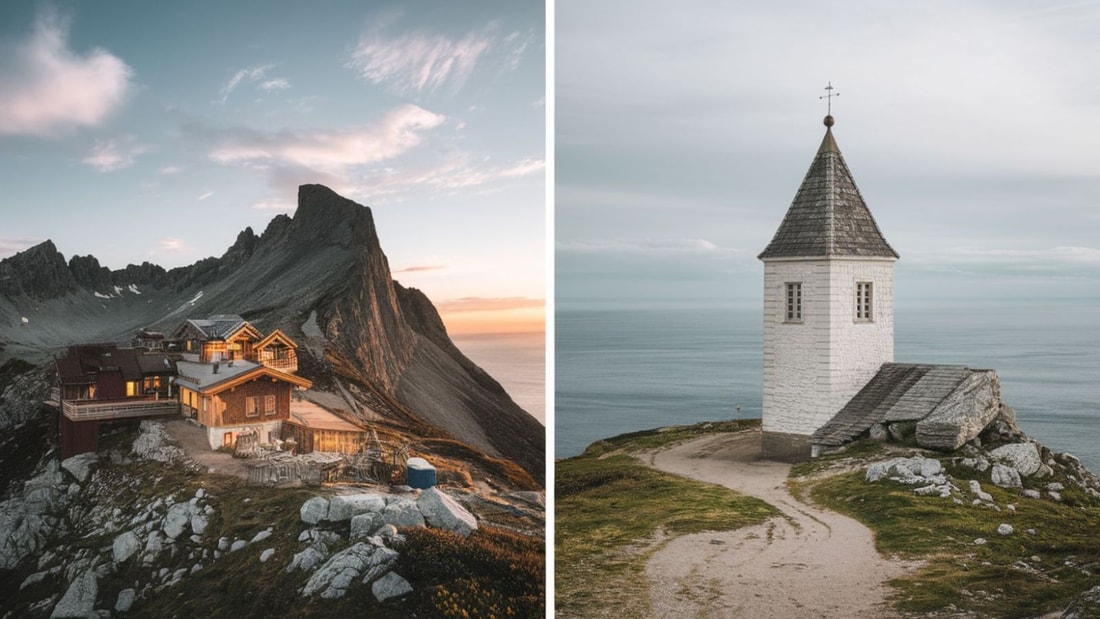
[(102, 382)]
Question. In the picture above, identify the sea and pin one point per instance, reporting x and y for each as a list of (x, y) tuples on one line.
[(516, 360), (625, 370)]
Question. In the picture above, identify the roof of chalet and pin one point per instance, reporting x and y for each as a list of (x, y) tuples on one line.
[(828, 217), (221, 326), (277, 334), (310, 415), (898, 392), (202, 377), (84, 361)]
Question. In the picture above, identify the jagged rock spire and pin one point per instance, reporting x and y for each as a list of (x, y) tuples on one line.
[(828, 217)]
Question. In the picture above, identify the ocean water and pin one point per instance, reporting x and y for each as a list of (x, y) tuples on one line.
[(621, 371), (516, 360)]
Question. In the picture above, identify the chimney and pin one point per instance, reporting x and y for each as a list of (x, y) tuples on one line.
[(217, 366)]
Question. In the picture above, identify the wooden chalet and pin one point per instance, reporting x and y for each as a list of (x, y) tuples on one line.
[(234, 381), (228, 337), (102, 382)]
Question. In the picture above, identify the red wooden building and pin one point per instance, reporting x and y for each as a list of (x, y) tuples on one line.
[(102, 382)]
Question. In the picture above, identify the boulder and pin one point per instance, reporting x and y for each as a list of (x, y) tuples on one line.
[(199, 522), (177, 518), (267, 554), (80, 465), (1032, 494), (443, 512), (314, 510), (1024, 457), (333, 578), (906, 470), (125, 600), (390, 586), (308, 559), (237, 545), (364, 525), (125, 545), (1005, 529), (976, 490), (1005, 477), (79, 598), (403, 513), (963, 414), (878, 433), (343, 507), (261, 536)]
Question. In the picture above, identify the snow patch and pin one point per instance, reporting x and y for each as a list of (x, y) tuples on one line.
[(25, 319), (197, 297), (102, 296), (133, 289), (118, 290)]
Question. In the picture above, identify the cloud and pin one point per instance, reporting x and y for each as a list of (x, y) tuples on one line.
[(172, 245), (424, 63), (275, 84), (254, 75), (455, 172), (169, 169), (398, 132), (419, 268), (111, 155), (45, 87), (9, 246), (483, 304), (665, 247), (205, 196)]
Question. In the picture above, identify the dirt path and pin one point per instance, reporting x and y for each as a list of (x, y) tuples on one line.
[(192, 439), (811, 563)]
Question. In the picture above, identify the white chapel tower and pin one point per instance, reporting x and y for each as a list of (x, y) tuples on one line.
[(828, 305)]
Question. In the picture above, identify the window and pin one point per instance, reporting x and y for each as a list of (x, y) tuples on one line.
[(794, 302), (251, 406), (269, 405), (864, 302)]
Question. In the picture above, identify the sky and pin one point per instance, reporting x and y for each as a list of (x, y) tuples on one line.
[(140, 131), (684, 130)]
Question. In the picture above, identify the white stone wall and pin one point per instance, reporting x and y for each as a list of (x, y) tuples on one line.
[(812, 368)]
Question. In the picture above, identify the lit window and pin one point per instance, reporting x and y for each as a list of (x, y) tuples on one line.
[(864, 302), (269, 405), (251, 406), (794, 302)]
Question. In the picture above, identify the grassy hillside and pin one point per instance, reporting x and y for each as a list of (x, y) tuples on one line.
[(612, 513), (1052, 555)]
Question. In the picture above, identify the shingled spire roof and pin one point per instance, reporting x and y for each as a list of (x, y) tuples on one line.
[(828, 217)]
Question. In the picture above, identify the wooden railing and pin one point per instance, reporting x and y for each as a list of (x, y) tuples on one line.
[(118, 409), (288, 364)]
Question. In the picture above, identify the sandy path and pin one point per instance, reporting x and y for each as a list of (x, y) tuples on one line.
[(823, 565)]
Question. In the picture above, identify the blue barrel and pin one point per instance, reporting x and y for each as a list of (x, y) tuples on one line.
[(421, 473)]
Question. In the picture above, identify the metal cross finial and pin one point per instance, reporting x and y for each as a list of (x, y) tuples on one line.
[(829, 95)]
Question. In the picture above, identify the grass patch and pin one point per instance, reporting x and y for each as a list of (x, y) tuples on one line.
[(1000, 578), (612, 512)]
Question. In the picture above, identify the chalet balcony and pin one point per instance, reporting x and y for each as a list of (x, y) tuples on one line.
[(287, 364), (88, 410)]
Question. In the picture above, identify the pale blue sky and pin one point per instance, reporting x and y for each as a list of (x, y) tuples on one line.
[(684, 130), (157, 131)]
